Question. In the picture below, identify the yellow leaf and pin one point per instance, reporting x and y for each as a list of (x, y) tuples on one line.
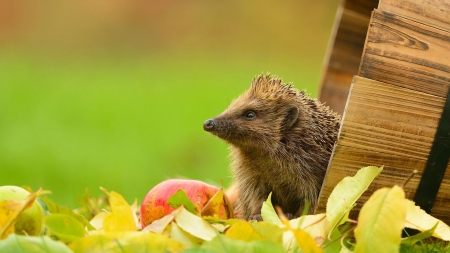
[(126, 242), (304, 241), (9, 211), (317, 226), (218, 205), (417, 218), (380, 221), (134, 211), (180, 235), (94, 242), (121, 218), (194, 225), (159, 226), (149, 242), (243, 230), (97, 221)]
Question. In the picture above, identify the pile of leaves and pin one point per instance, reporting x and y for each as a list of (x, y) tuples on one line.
[(110, 224)]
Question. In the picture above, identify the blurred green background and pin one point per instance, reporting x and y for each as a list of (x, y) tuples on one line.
[(114, 93)]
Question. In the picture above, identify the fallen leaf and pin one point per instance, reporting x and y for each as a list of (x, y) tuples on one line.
[(224, 244), (303, 240), (317, 226), (180, 198), (411, 240), (343, 197), (54, 208), (184, 237), (158, 226), (269, 231), (381, 221), (417, 218), (126, 242), (65, 227), (218, 205), (121, 217), (333, 244), (243, 230), (194, 225), (268, 212), (97, 221), (9, 212), (35, 244)]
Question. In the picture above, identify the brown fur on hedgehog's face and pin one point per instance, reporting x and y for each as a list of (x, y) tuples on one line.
[(257, 118)]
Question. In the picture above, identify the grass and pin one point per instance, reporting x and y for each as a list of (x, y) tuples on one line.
[(437, 246), (124, 123)]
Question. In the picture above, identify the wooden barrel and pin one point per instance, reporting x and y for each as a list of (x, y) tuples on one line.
[(388, 73)]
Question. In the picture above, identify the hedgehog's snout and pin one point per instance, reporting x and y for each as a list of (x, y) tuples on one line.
[(209, 125)]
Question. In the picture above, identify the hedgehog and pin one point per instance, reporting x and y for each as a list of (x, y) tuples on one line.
[(281, 141)]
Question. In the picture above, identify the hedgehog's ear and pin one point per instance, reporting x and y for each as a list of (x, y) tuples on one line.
[(290, 117)]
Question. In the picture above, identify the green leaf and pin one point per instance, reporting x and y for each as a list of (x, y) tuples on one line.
[(268, 212), (224, 244), (381, 221), (126, 242), (180, 198), (410, 240), (269, 231), (65, 227), (343, 197), (54, 208), (335, 244), (197, 250), (344, 249), (32, 244)]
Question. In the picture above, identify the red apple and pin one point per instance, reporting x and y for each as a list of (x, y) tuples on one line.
[(155, 204)]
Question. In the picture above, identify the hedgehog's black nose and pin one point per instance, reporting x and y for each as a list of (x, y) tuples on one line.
[(209, 124)]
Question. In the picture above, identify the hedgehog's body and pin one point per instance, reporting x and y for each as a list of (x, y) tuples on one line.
[(281, 141)]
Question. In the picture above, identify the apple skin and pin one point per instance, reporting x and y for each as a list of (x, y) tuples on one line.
[(155, 204), (31, 220)]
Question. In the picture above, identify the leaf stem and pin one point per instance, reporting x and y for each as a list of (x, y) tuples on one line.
[(408, 178)]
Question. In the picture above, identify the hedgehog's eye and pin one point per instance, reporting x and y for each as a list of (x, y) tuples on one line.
[(250, 115)]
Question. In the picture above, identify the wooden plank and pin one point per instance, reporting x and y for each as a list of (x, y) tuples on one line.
[(335, 87), (364, 7), (344, 52), (389, 119), (435, 12), (348, 160), (408, 54), (391, 126)]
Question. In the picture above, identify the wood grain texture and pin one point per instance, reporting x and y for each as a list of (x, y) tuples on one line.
[(432, 12), (344, 52), (390, 126), (406, 53)]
